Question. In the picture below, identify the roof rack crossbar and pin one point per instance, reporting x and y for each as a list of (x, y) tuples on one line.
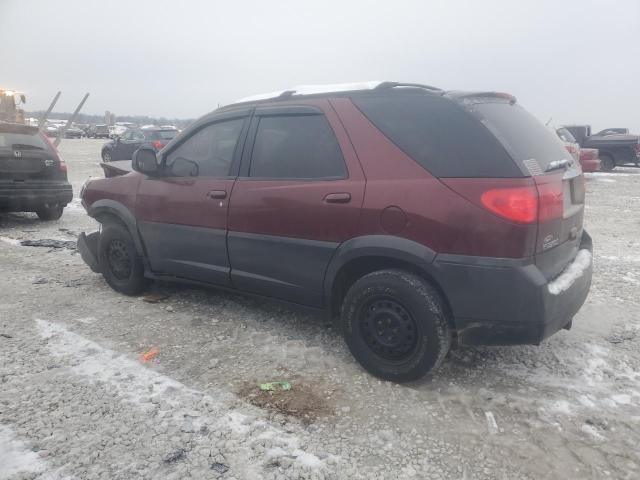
[(386, 85)]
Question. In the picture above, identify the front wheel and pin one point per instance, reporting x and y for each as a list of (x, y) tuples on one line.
[(395, 325), (119, 262), (50, 211)]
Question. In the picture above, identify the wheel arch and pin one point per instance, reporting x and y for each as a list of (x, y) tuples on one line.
[(106, 209), (366, 254)]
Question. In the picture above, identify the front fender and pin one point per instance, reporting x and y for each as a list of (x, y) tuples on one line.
[(118, 210)]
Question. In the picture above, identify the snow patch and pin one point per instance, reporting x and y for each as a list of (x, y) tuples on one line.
[(138, 385), (17, 458), (11, 241), (313, 89), (591, 430), (562, 406), (572, 273)]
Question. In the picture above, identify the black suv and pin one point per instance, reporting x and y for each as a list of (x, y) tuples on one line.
[(122, 148), (33, 178)]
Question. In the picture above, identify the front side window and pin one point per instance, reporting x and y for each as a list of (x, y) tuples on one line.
[(296, 146), (208, 152)]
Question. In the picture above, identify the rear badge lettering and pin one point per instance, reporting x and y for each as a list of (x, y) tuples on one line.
[(549, 242), (49, 163), (17, 153)]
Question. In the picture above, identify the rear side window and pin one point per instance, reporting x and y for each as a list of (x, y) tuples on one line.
[(297, 146), (529, 142), (22, 140), (438, 134), (208, 152)]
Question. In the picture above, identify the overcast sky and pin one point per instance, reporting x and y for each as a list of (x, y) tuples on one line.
[(573, 60)]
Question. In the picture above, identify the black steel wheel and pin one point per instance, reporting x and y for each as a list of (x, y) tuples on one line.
[(119, 261), (395, 324)]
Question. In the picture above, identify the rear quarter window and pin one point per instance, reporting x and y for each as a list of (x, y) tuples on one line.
[(439, 134)]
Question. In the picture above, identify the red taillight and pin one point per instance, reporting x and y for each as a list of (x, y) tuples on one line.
[(550, 201), (516, 204), (571, 149), (638, 148), (62, 166), (158, 144)]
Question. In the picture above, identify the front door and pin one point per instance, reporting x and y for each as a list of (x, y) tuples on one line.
[(182, 214), (298, 197)]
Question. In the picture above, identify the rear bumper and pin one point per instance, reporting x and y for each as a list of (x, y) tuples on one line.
[(88, 248), (506, 301), (590, 165), (25, 196)]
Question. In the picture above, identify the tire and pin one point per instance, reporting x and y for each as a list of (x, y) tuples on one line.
[(50, 211), (106, 156), (607, 163), (414, 335), (119, 262)]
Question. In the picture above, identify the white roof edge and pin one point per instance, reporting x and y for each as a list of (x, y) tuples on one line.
[(313, 89)]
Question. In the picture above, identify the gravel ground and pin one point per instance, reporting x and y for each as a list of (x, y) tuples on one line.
[(78, 400)]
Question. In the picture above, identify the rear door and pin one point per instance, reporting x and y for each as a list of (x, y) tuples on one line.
[(182, 214), (26, 156), (298, 197)]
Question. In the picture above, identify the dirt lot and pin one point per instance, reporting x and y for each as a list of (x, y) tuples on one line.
[(78, 400)]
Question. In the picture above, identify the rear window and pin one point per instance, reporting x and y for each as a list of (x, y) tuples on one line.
[(22, 140), (160, 134), (529, 142), (438, 134)]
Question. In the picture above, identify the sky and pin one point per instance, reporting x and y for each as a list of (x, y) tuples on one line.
[(571, 61)]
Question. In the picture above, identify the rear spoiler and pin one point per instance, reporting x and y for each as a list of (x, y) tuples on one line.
[(465, 95)]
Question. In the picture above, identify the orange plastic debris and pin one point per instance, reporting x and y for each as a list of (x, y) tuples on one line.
[(149, 354)]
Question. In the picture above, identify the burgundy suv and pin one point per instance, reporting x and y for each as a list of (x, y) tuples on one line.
[(413, 216)]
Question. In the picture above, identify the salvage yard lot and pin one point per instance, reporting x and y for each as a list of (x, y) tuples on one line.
[(77, 400)]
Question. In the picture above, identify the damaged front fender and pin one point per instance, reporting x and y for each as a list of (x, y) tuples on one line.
[(88, 248)]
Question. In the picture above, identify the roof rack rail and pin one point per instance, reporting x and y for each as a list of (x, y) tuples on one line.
[(386, 85)]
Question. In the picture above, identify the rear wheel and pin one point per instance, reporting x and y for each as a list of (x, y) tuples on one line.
[(607, 163), (395, 325), (106, 156), (50, 211), (119, 262)]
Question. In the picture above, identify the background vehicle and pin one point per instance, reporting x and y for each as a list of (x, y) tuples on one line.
[(33, 178), (467, 239), (98, 131), (570, 143), (614, 131), (73, 132), (10, 101), (616, 149), (589, 160), (122, 148)]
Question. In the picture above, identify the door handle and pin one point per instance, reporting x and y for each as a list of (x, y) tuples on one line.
[(338, 198), (217, 194)]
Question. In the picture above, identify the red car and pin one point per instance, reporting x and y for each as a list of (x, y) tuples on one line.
[(413, 216), (589, 159)]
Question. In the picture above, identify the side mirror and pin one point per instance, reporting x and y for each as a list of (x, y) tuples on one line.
[(145, 161)]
